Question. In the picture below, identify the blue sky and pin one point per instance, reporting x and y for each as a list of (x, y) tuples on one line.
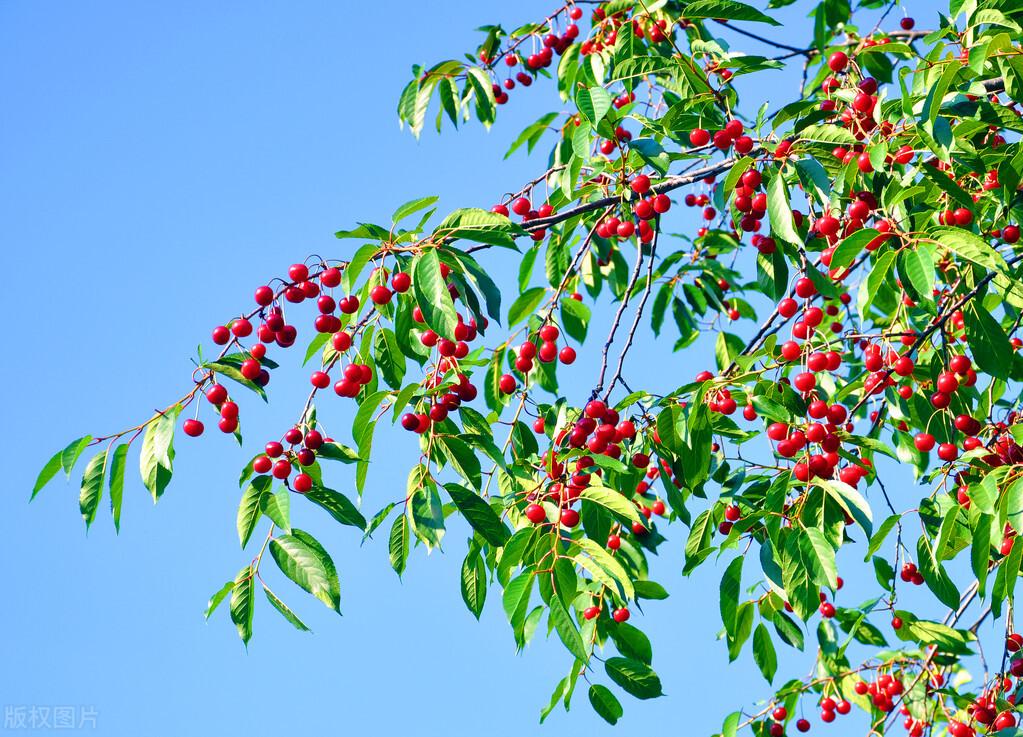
[(156, 165)]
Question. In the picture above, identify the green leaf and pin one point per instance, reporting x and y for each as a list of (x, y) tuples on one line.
[(612, 570), (650, 590), (611, 500), (878, 537), (432, 295), (233, 372), (337, 452), (285, 610), (969, 246), (916, 269), (850, 247), (727, 9), (593, 102), (277, 506), (531, 134), (726, 348), (116, 483), (411, 207), (575, 318), (479, 514), (567, 630), (218, 596), (474, 582), (605, 703), (780, 213), (481, 226), (636, 678), (980, 552), (243, 602), (462, 458), (156, 462), (49, 471), (525, 305), (729, 593), (250, 509), (92, 487), (763, 652), (852, 502), (398, 544), (428, 516), (991, 348), (870, 286), (632, 643), (819, 554), (338, 506), (302, 559), (69, 456)]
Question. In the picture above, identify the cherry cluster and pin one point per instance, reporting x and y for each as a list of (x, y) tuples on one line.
[(550, 44)]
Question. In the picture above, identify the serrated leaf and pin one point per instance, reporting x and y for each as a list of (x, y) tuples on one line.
[(479, 514), (302, 559), (92, 487), (727, 9), (411, 207), (337, 505), (638, 679), (593, 102), (156, 461), (243, 602), (525, 305), (250, 508), (116, 482), (285, 610), (398, 544), (432, 295)]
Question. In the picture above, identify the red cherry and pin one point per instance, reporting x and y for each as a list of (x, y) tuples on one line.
[(620, 615), (520, 206), (596, 409), (907, 24), (298, 272), (330, 277), (536, 514), (264, 296), (401, 282), (192, 428), (506, 384), (838, 61), (924, 442), (699, 137), (640, 184), (380, 294), (567, 355), (250, 369), (282, 469), (302, 483), (569, 517), (262, 464), (216, 394), (221, 335)]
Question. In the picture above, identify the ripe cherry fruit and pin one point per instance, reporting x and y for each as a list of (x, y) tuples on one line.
[(192, 428), (536, 514)]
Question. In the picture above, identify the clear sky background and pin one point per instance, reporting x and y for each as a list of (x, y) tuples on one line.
[(156, 164)]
